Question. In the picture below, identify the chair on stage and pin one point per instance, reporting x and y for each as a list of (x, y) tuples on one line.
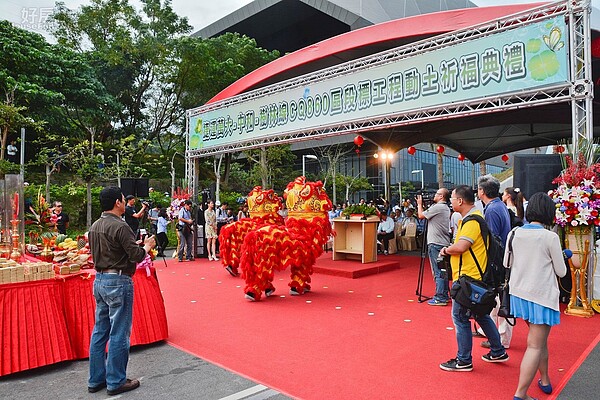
[(409, 239)]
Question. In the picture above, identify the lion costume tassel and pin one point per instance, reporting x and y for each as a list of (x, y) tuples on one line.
[(263, 206), (295, 245)]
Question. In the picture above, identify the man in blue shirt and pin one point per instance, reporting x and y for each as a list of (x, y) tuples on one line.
[(498, 220)]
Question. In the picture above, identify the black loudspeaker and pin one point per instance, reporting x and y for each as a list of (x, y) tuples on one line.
[(535, 172), (142, 187), (128, 186), (136, 186)]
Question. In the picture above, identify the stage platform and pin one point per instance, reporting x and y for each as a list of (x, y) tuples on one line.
[(355, 269)]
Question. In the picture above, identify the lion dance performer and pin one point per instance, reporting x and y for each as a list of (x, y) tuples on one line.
[(295, 245), (263, 206)]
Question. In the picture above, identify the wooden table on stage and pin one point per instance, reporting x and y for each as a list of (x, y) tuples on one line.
[(355, 239), (49, 321)]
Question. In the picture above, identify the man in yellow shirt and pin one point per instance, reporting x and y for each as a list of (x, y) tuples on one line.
[(469, 237)]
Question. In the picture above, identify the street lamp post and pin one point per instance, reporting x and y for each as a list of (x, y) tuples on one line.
[(304, 157), (386, 157), (417, 171)]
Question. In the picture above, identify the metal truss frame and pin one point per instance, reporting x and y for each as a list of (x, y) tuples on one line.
[(579, 91), (582, 91)]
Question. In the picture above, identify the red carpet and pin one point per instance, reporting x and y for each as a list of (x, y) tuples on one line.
[(364, 338)]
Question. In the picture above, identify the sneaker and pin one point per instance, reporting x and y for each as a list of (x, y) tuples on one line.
[(250, 296), (434, 302), (385, 252), (269, 292), (495, 359), (294, 292), (230, 270), (486, 344), (456, 365)]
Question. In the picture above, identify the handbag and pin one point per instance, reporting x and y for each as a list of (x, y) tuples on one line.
[(504, 310), (473, 294)]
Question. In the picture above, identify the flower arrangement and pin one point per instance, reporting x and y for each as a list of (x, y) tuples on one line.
[(179, 197), (39, 217), (577, 197)]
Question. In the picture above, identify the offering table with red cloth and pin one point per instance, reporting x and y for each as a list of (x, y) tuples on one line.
[(49, 321)]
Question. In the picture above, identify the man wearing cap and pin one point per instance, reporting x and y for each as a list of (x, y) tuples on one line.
[(132, 217)]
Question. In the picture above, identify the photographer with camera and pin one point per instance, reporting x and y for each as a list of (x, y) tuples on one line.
[(438, 236), (184, 231), (132, 217), (462, 260)]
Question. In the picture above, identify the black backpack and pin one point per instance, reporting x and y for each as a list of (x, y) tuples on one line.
[(494, 274)]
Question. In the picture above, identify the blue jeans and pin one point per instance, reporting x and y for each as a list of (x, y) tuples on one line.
[(114, 307), (440, 277), (188, 242), (464, 337)]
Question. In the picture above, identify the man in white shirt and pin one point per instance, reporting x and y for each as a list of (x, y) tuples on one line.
[(385, 232)]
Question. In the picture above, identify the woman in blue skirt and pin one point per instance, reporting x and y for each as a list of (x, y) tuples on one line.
[(536, 261)]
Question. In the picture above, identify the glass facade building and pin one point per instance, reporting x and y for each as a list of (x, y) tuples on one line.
[(402, 179)]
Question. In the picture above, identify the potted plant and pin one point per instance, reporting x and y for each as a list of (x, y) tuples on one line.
[(363, 210)]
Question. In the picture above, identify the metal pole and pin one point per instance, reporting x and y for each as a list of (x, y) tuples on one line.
[(303, 165), (118, 169), (22, 170)]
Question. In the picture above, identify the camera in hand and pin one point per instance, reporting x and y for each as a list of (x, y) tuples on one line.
[(147, 203), (443, 263), (428, 198)]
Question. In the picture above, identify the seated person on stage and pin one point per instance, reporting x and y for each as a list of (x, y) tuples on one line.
[(385, 232), (410, 219)]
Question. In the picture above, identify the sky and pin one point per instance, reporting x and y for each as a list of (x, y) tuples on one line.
[(32, 14)]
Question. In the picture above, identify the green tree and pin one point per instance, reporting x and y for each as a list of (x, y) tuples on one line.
[(352, 184), (271, 166), (133, 53), (30, 81)]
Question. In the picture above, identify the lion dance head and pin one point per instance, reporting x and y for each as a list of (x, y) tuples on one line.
[(263, 202)]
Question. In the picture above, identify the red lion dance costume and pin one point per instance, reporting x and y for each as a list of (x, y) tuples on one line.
[(263, 206), (295, 245)]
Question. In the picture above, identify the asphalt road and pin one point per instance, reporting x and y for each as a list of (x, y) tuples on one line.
[(164, 372)]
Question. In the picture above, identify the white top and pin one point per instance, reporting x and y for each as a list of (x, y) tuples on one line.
[(162, 225), (537, 260), (386, 226)]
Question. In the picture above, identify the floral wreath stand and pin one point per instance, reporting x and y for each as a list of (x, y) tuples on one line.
[(578, 263)]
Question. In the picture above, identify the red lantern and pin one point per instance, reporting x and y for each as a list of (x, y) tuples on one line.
[(505, 158), (411, 150), (440, 149), (560, 149), (358, 140), (461, 157)]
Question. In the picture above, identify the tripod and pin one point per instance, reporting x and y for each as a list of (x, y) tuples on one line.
[(419, 292)]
